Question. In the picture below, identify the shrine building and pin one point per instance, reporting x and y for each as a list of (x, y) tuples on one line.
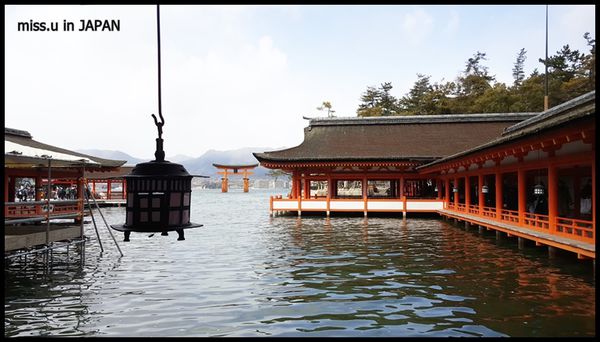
[(530, 175)]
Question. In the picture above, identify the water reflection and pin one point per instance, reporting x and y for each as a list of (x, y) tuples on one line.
[(405, 272), (247, 274)]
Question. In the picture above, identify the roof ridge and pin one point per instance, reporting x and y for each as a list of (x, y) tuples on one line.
[(558, 109), (442, 118), (18, 132)]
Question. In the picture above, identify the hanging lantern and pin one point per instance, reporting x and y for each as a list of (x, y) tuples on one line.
[(158, 192), (158, 196), (485, 189), (538, 189)]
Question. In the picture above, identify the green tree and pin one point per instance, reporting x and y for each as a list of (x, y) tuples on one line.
[(417, 98), (378, 102), (518, 73), (570, 74), (496, 99), (476, 78), (388, 103), (589, 62)]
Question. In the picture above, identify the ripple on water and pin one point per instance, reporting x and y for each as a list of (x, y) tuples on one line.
[(247, 274)]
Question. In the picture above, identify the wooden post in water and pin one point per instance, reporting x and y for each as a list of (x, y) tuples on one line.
[(224, 182)]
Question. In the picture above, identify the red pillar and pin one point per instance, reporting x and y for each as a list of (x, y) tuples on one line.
[(80, 197), (455, 186), (499, 204), (438, 184), (552, 197), (481, 194), (522, 191), (365, 189), (447, 191), (467, 192), (594, 188), (329, 192), (306, 188), (401, 192), (108, 188)]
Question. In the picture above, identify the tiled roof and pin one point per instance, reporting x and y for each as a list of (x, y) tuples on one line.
[(418, 138), (21, 149), (571, 111)]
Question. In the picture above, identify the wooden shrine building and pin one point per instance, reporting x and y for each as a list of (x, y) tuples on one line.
[(44, 184), (532, 174)]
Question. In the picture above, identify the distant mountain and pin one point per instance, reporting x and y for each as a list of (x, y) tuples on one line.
[(116, 155), (202, 165)]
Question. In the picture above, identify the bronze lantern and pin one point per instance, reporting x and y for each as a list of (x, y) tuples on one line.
[(158, 195), (158, 192)]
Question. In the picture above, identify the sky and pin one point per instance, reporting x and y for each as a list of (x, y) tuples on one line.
[(245, 76)]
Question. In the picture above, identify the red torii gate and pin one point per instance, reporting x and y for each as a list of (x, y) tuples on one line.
[(235, 168)]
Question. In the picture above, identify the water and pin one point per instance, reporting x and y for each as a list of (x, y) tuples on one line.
[(247, 274)]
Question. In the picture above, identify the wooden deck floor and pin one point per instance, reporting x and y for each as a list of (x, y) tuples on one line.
[(18, 237), (102, 203), (575, 246)]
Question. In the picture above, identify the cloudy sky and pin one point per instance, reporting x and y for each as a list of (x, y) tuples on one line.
[(244, 76)]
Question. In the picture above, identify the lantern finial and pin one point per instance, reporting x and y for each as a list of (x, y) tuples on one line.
[(159, 154)]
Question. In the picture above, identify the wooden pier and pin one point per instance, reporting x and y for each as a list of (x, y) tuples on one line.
[(582, 249), (28, 236)]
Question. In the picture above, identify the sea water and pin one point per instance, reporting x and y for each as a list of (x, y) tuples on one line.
[(245, 273)]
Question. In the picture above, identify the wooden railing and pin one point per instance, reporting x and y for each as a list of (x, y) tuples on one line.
[(489, 212), (509, 216), (576, 229), (40, 208), (536, 221), (473, 209), (581, 230)]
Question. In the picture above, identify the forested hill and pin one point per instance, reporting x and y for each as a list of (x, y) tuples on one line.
[(570, 73)]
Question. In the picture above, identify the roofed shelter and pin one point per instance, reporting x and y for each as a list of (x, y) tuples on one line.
[(539, 178), (530, 175), (369, 164), (35, 174)]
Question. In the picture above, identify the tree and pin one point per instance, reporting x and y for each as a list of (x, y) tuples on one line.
[(476, 78), (387, 102), (589, 62), (327, 105), (378, 102), (565, 64), (474, 66), (570, 74), (518, 73), (416, 99)]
